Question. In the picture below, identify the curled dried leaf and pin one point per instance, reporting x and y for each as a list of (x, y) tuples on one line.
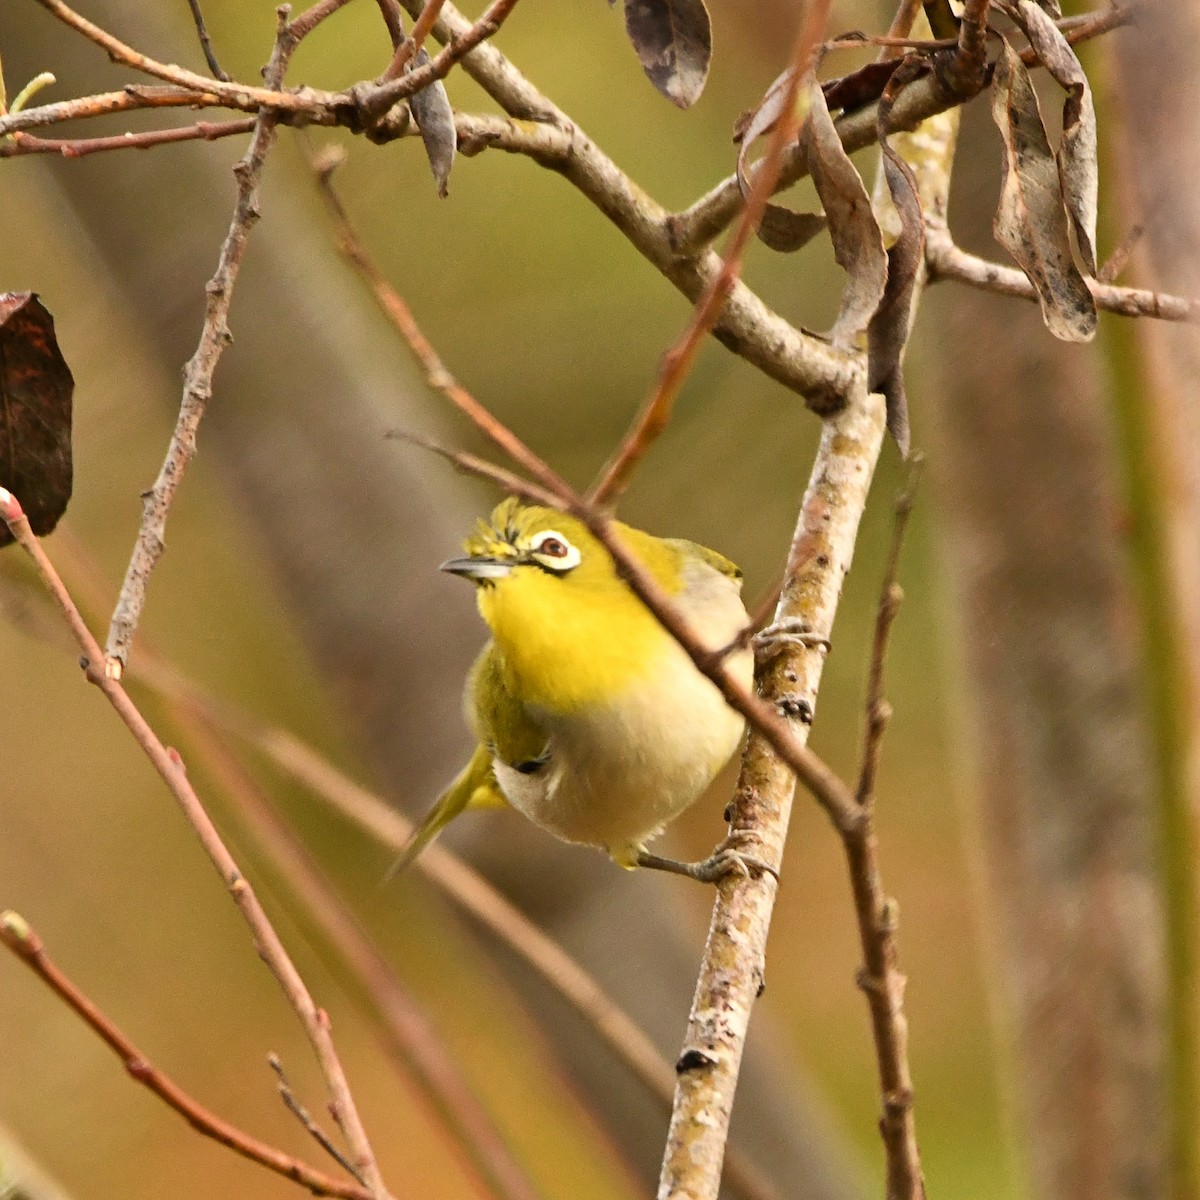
[(857, 239), (1031, 221), (761, 119), (673, 40), (786, 231), (1076, 156), (435, 120), (35, 413), (887, 334)]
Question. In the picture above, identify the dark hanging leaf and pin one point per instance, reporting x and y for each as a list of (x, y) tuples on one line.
[(35, 413), (860, 88), (787, 231), (1031, 222), (673, 40), (887, 334), (435, 119), (1077, 152), (857, 238)]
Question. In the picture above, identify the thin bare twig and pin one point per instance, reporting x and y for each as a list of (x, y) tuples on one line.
[(948, 262), (292, 1103), (880, 979), (233, 95), (198, 376), (314, 1020), (409, 1038), (436, 373), (1111, 269), (678, 361), (308, 20), (27, 143), (205, 42), (24, 942), (410, 47), (628, 1042), (395, 87)]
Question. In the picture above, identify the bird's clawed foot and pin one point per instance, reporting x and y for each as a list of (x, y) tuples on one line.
[(769, 641), (727, 859)]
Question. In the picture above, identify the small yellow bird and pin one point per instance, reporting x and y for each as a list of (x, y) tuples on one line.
[(591, 719)]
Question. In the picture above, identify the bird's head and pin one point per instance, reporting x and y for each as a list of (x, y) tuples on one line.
[(530, 546)]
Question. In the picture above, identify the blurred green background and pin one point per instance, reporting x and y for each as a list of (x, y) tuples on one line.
[(549, 317)]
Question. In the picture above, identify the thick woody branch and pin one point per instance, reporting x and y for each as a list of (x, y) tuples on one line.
[(24, 942), (948, 262), (314, 1020)]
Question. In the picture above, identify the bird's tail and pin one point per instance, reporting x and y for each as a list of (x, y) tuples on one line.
[(473, 787)]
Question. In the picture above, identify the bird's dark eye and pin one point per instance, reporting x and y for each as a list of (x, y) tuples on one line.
[(552, 552)]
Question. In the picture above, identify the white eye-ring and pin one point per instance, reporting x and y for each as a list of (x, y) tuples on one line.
[(554, 552)]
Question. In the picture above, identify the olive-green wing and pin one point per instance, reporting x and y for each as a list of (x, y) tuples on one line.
[(498, 718), (717, 561)]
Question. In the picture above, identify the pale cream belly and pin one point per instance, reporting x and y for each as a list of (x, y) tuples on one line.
[(615, 777)]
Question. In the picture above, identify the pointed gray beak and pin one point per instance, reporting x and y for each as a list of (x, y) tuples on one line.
[(478, 568)]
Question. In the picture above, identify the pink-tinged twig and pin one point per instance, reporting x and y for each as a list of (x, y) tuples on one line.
[(235, 95), (679, 359), (209, 131), (206, 45), (24, 942), (198, 375), (314, 1020), (404, 83), (436, 373), (410, 47)]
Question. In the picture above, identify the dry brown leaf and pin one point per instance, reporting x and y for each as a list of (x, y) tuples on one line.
[(887, 334), (857, 239), (673, 40), (787, 231), (435, 120), (35, 413), (761, 119), (1077, 150), (1031, 221)]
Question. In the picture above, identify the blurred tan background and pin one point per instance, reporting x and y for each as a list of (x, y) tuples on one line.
[(300, 581)]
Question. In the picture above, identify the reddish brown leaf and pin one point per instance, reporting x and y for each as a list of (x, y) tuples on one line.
[(673, 40), (1031, 221), (861, 87), (35, 413), (1077, 151), (857, 239)]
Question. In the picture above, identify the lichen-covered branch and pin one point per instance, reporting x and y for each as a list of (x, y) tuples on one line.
[(732, 971)]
